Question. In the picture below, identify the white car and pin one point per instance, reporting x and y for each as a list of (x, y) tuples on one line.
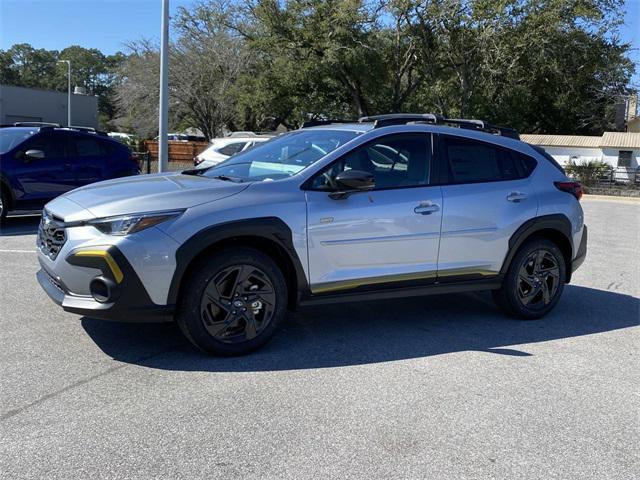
[(222, 148)]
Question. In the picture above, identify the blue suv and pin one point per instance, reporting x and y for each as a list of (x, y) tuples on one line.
[(39, 162)]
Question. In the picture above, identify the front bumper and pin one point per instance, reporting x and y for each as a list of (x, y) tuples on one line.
[(582, 251), (128, 300)]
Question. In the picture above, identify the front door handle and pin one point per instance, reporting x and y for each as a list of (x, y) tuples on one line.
[(516, 197), (426, 208)]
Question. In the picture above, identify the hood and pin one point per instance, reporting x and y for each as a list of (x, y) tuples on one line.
[(145, 193)]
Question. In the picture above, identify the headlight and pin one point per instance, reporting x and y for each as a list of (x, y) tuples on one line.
[(126, 224)]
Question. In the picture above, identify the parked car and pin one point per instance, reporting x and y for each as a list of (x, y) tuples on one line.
[(38, 163), (222, 148), (397, 205)]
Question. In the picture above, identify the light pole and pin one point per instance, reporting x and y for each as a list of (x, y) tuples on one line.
[(163, 144), (68, 90)]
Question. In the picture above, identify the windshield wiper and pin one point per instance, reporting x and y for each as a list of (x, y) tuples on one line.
[(227, 178)]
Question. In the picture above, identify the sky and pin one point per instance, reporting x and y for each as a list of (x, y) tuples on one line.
[(108, 24)]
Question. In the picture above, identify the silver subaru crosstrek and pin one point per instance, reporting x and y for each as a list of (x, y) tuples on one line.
[(388, 206)]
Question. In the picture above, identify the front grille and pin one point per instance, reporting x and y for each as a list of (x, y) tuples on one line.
[(51, 235)]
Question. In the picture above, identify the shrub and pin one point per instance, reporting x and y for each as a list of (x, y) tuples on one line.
[(587, 172)]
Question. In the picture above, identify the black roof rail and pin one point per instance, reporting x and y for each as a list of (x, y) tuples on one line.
[(380, 121), (473, 124), (390, 119), (316, 123), (87, 130), (387, 120)]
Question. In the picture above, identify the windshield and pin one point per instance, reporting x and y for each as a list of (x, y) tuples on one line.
[(281, 157), (12, 137)]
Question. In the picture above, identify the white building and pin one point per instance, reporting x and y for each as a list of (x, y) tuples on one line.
[(618, 149)]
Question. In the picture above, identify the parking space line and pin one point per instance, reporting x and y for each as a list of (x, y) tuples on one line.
[(17, 251)]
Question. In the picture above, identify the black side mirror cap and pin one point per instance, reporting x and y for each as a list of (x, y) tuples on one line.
[(351, 181)]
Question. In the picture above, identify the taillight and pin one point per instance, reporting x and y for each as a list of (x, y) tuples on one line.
[(574, 188)]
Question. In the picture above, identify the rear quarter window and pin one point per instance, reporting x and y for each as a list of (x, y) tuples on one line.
[(551, 160)]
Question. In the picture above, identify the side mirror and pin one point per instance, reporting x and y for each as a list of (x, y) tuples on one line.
[(33, 155), (350, 181)]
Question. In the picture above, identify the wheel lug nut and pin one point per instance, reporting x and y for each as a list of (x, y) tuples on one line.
[(233, 313)]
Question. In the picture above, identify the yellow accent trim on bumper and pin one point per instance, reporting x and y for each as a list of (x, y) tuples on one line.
[(115, 269)]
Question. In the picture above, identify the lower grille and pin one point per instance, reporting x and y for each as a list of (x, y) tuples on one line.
[(51, 235), (55, 283)]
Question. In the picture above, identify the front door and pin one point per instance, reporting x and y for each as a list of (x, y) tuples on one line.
[(387, 235), (45, 178)]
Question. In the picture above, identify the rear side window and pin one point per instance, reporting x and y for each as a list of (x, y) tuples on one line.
[(89, 147), (232, 148), (470, 161), (544, 153)]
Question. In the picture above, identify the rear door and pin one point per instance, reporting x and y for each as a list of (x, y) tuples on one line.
[(487, 194), (46, 178)]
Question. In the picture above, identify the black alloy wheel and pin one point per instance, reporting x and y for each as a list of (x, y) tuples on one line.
[(232, 301), (534, 281), (238, 304), (538, 279)]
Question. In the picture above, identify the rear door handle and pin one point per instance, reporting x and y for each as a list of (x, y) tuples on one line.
[(426, 208), (516, 197)]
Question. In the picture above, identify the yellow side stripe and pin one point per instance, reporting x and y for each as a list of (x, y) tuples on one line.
[(115, 269)]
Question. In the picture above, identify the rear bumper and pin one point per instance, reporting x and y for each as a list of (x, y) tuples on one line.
[(582, 251), (128, 302)]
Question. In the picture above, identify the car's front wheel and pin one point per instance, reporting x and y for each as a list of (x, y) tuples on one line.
[(233, 302), (534, 282)]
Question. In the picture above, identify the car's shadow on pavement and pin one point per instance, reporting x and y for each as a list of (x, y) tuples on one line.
[(16, 226), (371, 332)]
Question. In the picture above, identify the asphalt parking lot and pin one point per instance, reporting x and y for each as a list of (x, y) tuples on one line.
[(435, 388)]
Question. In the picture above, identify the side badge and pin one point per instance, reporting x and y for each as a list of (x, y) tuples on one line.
[(326, 220)]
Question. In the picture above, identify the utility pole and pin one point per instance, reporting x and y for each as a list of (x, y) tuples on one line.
[(163, 144), (68, 90)]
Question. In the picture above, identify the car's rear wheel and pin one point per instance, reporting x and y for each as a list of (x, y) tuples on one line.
[(534, 282), (233, 302)]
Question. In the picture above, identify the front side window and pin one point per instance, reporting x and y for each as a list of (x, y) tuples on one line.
[(469, 161), (395, 161), (280, 157), (52, 146)]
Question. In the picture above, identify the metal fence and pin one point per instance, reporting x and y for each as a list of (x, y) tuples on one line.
[(150, 165)]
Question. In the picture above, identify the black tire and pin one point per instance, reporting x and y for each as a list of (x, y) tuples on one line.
[(534, 282), (218, 321), (4, 204)]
